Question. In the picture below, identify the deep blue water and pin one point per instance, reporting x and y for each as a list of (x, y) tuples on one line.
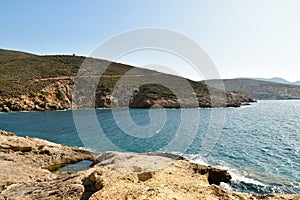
[(260, 144)]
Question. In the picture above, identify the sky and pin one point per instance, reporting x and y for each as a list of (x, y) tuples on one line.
[(243, 38)]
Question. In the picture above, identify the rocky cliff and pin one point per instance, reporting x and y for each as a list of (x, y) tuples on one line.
[(56, 96), (29, 170)]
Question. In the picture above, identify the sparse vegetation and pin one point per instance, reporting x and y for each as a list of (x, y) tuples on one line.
[(155, 91), (28, 74), (44, 93), (60, 95), (33, 94)]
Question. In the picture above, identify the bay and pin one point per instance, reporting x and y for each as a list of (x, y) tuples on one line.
[(260, 144)]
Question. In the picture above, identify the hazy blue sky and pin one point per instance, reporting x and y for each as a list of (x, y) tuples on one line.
[(244, 38)]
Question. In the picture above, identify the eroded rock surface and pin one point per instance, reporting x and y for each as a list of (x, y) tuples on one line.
[(24, 162)]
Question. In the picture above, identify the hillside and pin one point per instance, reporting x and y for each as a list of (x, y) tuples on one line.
[(32, 82), (258, 89)]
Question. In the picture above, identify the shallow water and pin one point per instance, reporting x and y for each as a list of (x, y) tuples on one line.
[(260, 144), (76, 166)]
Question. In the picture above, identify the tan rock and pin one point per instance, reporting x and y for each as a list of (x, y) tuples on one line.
[(114, 175)]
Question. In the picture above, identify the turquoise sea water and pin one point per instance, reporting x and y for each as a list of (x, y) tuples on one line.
[(260, 144)]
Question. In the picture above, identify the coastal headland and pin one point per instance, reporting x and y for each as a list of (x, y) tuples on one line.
[(31, 82)]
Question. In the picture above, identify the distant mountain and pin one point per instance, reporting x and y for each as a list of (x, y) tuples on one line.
[(278, 80), (259, 89)]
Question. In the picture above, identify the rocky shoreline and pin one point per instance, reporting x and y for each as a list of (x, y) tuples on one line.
[(25, 174), (58, 96)]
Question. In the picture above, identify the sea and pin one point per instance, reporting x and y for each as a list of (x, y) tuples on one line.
[(259, 144)]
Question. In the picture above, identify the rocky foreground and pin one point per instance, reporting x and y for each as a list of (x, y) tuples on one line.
[(27, 171)]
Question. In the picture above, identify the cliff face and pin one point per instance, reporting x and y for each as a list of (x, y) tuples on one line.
[(31, 83), (25, 165), (56, 96)]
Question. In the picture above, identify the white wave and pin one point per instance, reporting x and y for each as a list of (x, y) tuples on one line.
[(225, 186), (64, 110), (195, 158), (200, 162), (248, 105), (237, 177)]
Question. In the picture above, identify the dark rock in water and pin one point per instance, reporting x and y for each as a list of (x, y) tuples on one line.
[(215, 175), (234, 105)]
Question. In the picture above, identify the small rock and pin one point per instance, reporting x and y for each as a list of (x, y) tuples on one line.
[(6, 109), (94, 181), (51, 106), (144, 176), (21, 148)]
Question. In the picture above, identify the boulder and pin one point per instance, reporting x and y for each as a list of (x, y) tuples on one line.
[(214, 175), (144, 176), (6, 109), (94, 181)]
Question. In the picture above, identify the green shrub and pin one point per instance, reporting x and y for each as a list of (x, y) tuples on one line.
[(33, 94), (59, 94), (44, 93)]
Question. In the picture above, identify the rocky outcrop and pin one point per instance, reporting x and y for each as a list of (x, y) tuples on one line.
[(146, 98), (56, 96), (24, 174), (236, 99), (214, 175), (25, 160)]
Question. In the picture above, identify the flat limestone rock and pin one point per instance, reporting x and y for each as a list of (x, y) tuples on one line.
[(113, 176), (132, 162)]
